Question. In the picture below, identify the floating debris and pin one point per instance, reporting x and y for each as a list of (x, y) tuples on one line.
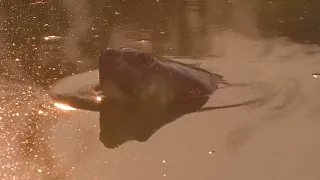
[(37, 2), (48, 38)]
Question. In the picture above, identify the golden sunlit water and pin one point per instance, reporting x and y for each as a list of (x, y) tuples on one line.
[(271, 45), (64, 107)]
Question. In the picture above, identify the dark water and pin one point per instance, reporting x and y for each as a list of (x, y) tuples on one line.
[(43, 41), (166, 27)]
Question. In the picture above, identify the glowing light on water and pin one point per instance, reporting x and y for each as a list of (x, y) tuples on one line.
[(211, 152), (64, 107), (316, 75), (98, 98)]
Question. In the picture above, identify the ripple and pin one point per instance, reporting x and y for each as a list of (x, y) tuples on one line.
[(282, 98)]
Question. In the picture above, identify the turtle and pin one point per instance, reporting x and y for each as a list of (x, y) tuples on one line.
[(138, 77), (138, 93)]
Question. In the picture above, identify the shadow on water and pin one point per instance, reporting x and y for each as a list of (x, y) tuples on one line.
[(122, 122)]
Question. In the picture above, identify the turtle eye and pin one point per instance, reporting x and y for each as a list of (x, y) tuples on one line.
[(143, 60)]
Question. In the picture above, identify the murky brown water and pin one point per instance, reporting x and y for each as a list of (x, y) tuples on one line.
[(49, 38), (43, 41)]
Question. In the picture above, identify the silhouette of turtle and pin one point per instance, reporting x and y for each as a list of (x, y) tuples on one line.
[(138, 93)]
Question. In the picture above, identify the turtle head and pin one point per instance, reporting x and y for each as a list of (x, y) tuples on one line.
[(121, 72), (127, 74)]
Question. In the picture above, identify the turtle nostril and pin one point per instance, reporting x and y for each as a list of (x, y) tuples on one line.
[(108, 58), (110, 53)]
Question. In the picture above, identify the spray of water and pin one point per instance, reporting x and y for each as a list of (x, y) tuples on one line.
[(80, 22)]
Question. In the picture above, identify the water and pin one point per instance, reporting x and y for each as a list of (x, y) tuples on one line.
[(272, 45)]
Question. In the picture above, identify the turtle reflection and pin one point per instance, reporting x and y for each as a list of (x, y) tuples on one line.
[(121, 122)]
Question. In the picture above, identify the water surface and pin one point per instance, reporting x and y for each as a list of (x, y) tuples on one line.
[(271, 45)]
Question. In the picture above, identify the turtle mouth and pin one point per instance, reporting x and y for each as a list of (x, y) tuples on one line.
[(121, 82), (113, 91), (118, 79)]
